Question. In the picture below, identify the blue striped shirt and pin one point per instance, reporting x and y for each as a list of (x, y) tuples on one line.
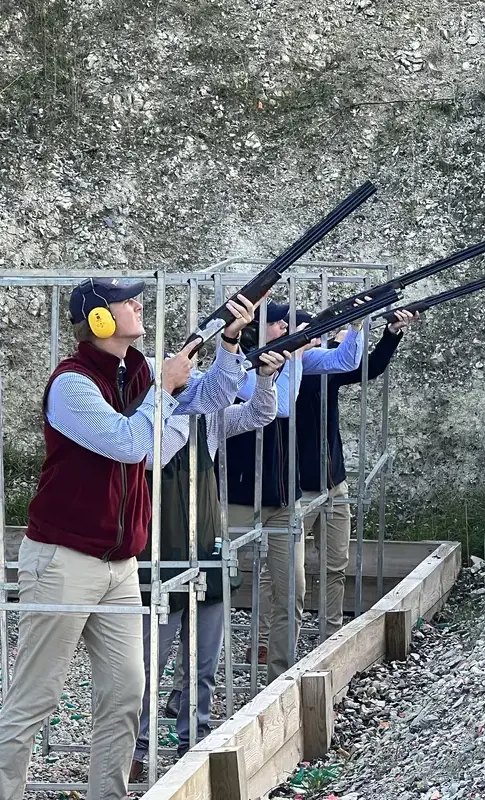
[(259, 411), (77, 409)]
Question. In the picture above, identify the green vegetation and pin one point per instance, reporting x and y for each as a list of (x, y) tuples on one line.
[(447, 515), (22, 470)]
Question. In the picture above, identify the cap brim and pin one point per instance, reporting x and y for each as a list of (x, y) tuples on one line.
[(133, 290)]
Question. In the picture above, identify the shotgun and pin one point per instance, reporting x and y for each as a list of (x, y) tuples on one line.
[(257, 287), (434, 300), (334, 311), (294, 341)]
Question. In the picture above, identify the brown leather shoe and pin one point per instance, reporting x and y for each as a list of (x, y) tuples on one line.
[(137, 767), (262, 654)]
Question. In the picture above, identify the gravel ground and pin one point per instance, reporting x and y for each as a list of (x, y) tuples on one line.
[(71, 723), (404, 730), (414, 729)]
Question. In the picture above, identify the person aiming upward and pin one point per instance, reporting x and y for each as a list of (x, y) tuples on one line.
[(89, 520)]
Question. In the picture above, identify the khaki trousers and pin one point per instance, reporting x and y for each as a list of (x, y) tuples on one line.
[(47, 641), (338, 542), (277, 570)]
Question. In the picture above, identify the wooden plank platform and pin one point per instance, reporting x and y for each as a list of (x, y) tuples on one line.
[(270, 729)]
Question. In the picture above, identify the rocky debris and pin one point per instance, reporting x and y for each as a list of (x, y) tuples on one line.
[(414, 729)]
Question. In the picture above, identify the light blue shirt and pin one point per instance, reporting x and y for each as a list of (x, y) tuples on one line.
[(77, 409), (317, 361)]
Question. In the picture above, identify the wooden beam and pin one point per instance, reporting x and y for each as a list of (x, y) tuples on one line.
[(354, 648), (269, 728), (398, 634), (188, 779), (278, 768), (426, 586), (399, 557), (228, 774), (317, 713), (262, 726)]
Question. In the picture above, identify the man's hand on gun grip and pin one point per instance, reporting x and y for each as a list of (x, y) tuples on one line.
[(357, 323), (309, 345), (176, 370), (404, 318), (272, 362), (243, 312)]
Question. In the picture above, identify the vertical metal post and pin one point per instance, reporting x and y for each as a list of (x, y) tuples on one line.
[(262, 544), (322, 597), (54, 343), (294, 532), (156, 530), (140, 342), (54, 360), (3, 572), (361, 490), (223, 499), (383, 476), (193, 550)]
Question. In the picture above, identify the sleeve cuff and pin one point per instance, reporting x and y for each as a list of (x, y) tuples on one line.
[(265, 381), (229, 362), (353, 334), (391, 334), (169, 404)]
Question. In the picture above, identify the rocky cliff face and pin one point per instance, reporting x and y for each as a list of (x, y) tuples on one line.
[(141, 134)]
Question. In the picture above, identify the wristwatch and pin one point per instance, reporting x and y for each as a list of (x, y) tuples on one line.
[(231, 339)]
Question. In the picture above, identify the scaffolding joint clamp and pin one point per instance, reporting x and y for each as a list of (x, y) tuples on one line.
[(200, 586), (162, 608)]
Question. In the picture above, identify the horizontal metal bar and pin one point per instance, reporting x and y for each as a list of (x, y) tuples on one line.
[(261, 530), (326, 264), (243, 627), (41, 278), (245, 539), (312, 505), (178, 580), (377, 468), (75, 787), (66, 748), (53, 608), (179, 564)]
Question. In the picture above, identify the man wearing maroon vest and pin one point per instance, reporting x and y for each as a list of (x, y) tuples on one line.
[(88, 522)]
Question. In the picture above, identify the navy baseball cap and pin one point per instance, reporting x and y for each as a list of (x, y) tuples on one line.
[(274, 311), (94, 292), (301, 316)]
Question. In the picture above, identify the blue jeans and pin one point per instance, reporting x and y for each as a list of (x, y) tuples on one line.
[(210, 627)]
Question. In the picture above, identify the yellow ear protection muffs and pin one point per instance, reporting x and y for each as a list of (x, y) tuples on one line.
[(100, 319)]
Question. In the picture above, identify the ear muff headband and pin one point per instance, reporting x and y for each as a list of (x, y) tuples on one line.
[(100, 319)]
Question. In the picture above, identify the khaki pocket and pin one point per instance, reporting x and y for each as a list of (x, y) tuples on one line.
[(36, 557)]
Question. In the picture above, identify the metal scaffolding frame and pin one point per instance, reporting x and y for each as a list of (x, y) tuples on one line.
[(192, 580)]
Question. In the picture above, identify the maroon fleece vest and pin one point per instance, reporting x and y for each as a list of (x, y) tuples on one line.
[(86, 501)]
